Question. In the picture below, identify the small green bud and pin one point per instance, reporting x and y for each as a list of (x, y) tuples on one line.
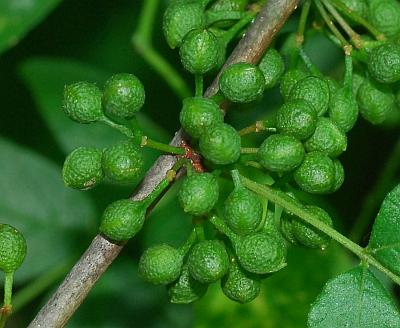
[(343, 109), (242, 83), (272, 66), (289, 80), (12, 248), (384, 63), (385, 16), (82, 168), (82, 102)]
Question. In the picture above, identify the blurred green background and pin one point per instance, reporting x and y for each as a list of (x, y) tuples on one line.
[(45, 44)]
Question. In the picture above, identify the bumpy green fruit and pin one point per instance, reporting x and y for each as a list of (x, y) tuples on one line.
[(82, 168), (281, 153), (82, 102), (385, 16), (343, 109), (242, 83), (198, 114), (123, 95), (296, 118), (272, 66), (12, 248), (384, 63), (160, 264), (316, 174), (199, 193), (208, 261), (239, 285), (186, 289), (181, 18), (308, 235), (220, 144), (360, 7), (327, 138), (339, 175), (123, 219), (123, 162), (243, 211), (289, 80), (314, 90), (376, 101), (261, 252)]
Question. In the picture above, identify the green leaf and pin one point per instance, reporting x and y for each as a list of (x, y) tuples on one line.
[(18, 17), (34, 200), (354, 299), (384, 243)]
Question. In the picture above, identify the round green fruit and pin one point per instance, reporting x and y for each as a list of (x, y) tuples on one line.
[(82, 102), (12, 248), (242, 83), (385, 16), (289, 80), (384, 63), (343, 109), (82, 168), (272, 66), (160, 264)]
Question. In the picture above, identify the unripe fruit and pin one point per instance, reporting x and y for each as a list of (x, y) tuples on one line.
[(376, 101), (220, 144), (339, 175), (186, 289), (208, 261), (82, 102), (243, 211), (384, 63), (314, 90), (316, 174), (289, 80), (123, 162), (272, 66), (199, 193), (181, 18), (12, 248), (239, 285), (281, 153), (198, 114), (123, 219), (296, 118), (343, 109), (200, 51), (385, 16), (242, 83), (327, 139), (82, 168), (160, 264), (123, 95)]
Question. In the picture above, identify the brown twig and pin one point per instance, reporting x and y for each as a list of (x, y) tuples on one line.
[(101, 252)]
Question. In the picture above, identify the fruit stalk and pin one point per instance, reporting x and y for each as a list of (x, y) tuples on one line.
[(5, 311)]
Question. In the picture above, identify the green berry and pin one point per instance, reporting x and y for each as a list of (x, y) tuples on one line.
[(314, 90), (123, 162), (385, 16), (308, 235), (186, 289), (339, 175), (199, 193), (261, 252), (220, 144), (281, 153), (343, 109), (239, 285), (82, 168), (316, 174), (12, 248), (376, 101), (160, 264), (199, 51), (123, 219), (180, 19), (208, 261), (123, 95), (327, 139), (296, 118), (243, 211), (289, 80), (198, 114), (272, 66), (384, 63), (82, 102), (242, 83)]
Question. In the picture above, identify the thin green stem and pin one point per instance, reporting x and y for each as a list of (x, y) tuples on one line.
[(147, 142), (216, 16), (305, 10), (5, 311), (309, 64), (256, 127), (348, 72), (146, 19), (221, 226), (245, 150), (290, 205), (184, 249), (198, 78), (121, 128), (228, 36), (157, 191), (236, 178)]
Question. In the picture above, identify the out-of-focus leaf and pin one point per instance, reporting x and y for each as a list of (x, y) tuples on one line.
[(35, 201), (285, 297), (384, 243), (354, 299), (17, 17)]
